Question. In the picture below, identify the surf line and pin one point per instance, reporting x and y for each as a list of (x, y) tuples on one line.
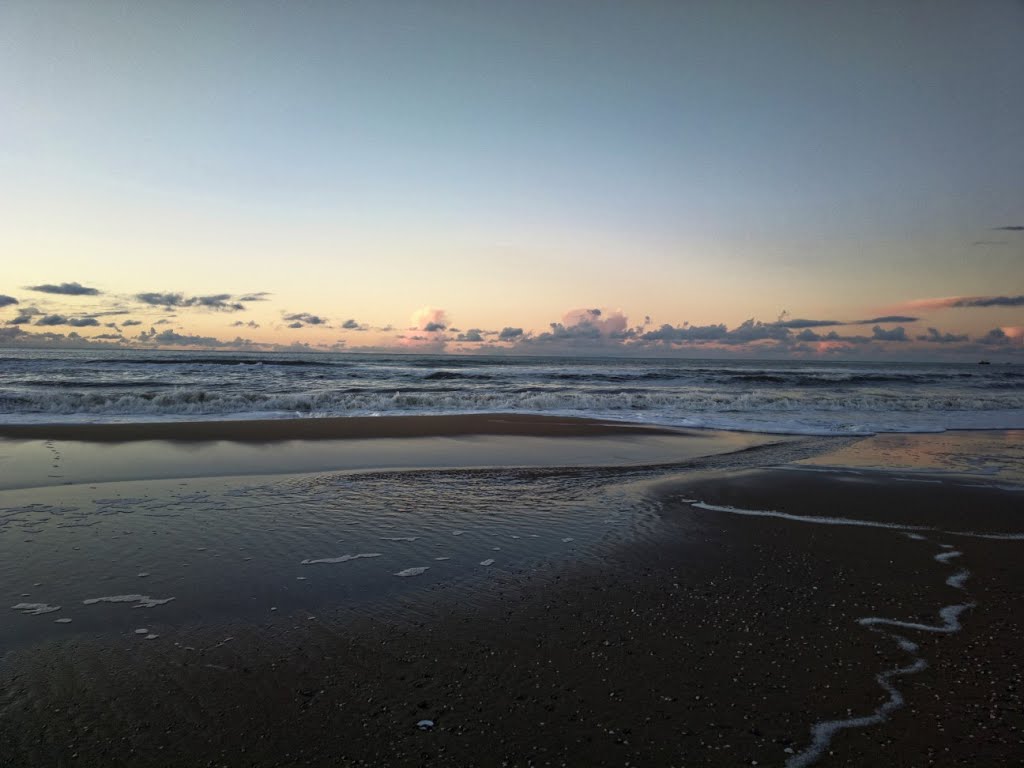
[(824, 731)]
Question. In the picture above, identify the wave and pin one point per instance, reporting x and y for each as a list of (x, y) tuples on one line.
[(819, 412)]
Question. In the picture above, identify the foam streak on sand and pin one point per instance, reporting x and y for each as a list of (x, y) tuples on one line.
[(144, 601), (809, 518), (35, 609), (413, 571), (341, 558), (823, 732)]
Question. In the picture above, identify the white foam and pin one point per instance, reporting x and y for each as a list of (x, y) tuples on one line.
[(915, 536), (141, 631), (488, 561), (567, 539), (907, 645), (958, 579), (341, 558), (457, 533), (823, 732), (945, 557), (399, 538), (442, 558), (144, 601), (35, 609), (950, 616), (413, 571), (62, 621), (810, 519)]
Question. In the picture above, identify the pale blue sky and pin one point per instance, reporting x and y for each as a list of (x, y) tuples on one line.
[(702, 162)]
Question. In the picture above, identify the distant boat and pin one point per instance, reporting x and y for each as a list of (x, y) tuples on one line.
[(984, 362)]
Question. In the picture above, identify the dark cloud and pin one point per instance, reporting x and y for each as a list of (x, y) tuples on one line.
[(6, 301), (899, 333), (1011, 228), (258, 296), (76, 322), (473, 334), (132, 322), (304, 318), (934, 336), (161, 321), (220, 302), (296, 324), (52, 320), (510, 334), (797, 323), (434, 327), (173, 338), (352, 325), (886, 319), (65, 289), (989, 301), (242, 323), (17, 337), (109, 336), (25, 315), (996, 336)]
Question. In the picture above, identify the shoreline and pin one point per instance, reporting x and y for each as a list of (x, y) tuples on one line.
[(338, 428)]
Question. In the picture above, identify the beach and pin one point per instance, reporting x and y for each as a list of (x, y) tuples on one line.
[(703, 599)]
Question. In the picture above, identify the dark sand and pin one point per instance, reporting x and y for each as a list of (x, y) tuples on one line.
[(717, 639), (356, 427)]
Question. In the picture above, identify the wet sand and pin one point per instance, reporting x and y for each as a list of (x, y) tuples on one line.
[(340, 428), (711, 637)]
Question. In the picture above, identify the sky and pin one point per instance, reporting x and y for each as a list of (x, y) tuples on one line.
[(762, 179)]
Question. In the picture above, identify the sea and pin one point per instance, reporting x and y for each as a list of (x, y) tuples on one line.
[(784, 397)]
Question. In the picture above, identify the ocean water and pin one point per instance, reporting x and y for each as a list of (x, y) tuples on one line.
[(797, 397)]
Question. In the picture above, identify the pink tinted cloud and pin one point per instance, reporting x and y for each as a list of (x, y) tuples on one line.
[(606, 321), (429, 319)]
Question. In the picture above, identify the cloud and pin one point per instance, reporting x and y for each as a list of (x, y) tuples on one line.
[(52, 320), (352, 325), (109, 336), (132, 322), (429, 319), (296, 324), (801, 323), (76, 322), (220, 302), (899, 333), (935, 337), (510, 334), (473, 334), (258, 296), (65, 289), (304, 318), (242, 323), (995, 336), (6, 301), (1011, 228), (886, 319), (172, 338), (948, 302)]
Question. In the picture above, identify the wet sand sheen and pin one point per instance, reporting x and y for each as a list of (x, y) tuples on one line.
[(765, 615)]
